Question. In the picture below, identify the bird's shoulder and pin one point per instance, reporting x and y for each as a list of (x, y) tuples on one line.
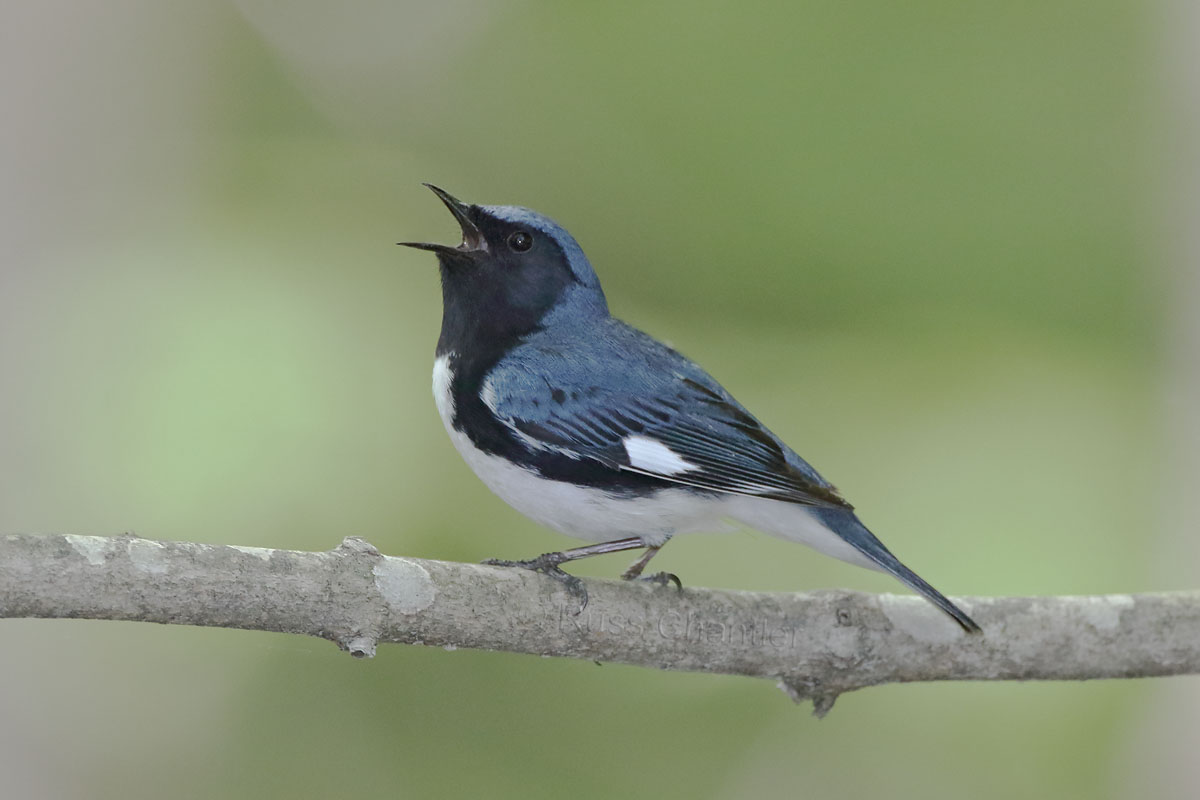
[(605, 357)]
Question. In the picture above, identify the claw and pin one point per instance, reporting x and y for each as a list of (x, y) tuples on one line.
[(573, 584), (662, 579), (548, 565)]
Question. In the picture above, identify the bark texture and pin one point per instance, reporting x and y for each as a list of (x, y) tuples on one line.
[(817, 644)]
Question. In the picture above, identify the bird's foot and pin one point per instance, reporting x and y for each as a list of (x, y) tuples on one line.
[(548, 565), (661, 578)]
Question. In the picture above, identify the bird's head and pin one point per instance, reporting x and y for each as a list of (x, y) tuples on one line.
[(514, 271)]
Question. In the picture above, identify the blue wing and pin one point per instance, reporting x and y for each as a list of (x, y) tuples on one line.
[(627, 401)]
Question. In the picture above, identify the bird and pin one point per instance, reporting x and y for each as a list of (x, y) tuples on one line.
[(587, 425)]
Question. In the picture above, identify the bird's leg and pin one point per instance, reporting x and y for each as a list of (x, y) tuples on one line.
[(662, 578), (549, 564)]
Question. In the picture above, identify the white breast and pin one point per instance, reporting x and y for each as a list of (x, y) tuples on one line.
[(584, 513)]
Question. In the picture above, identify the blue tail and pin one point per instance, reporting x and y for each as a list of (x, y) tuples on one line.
[(843, 522)]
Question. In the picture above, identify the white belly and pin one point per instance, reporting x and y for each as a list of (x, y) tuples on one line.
[(597, 516), (584, 513)]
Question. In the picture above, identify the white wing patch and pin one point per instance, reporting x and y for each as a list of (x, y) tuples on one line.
[(655, 457)]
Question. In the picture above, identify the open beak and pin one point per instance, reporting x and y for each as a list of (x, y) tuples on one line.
[(472, 237)]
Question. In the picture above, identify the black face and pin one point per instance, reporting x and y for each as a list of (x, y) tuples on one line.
[(498, 294), (499, 283)]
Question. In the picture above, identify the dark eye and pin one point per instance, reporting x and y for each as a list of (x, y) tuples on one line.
[(520, 241)]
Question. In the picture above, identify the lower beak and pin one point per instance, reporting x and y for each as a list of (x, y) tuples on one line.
[(472, 238)]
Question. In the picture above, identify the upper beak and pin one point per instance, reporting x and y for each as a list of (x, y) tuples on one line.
[(472, 237)]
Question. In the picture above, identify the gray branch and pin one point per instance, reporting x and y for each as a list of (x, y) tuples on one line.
[(817, 645)]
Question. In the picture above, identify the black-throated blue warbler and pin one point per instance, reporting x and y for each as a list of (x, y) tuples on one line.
[(595, 429)]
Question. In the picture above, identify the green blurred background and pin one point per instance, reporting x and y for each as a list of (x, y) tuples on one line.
[(921, 241)]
